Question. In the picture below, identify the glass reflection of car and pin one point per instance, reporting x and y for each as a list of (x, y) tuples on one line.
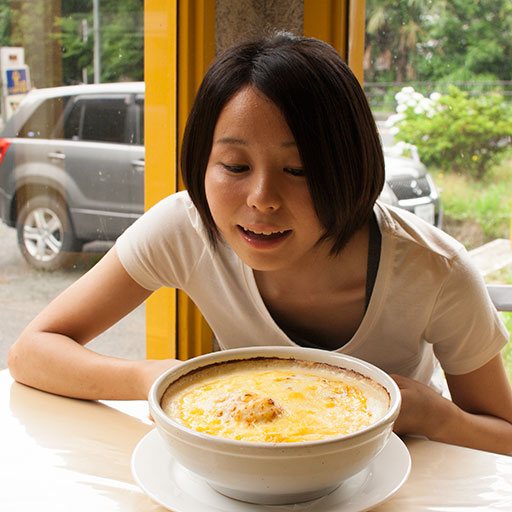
[(72, 168), (72, 165)]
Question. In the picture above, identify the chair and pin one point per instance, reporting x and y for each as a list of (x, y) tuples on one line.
[(501, 296)]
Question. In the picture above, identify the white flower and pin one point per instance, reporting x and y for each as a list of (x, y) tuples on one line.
[(394, 119), (418, 96), (425, 103)]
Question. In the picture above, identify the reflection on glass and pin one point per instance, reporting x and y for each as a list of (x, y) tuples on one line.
[(71, 151)]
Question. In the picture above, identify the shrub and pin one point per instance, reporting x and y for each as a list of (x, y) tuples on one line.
[(454, 131)]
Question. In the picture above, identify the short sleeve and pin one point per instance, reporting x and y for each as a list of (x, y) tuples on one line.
[(160, 248), (465, 329)]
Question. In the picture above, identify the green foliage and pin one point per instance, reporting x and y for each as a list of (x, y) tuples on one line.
[(5, 24), (507, 351), (76, 51), (457, 132), (436, 40), (121, 41), (393, 30), (30, 24), (486, 204), (466, 41)]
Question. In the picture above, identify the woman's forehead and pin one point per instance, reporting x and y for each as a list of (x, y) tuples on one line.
[(250, 115)]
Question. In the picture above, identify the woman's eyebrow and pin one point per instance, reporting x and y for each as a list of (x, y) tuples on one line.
[(242, 142), (231, 141)]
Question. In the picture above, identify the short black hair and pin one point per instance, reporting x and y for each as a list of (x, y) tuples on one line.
[(328, 115)]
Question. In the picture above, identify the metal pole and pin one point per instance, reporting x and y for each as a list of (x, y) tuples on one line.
[(96, 32), (85, 37)]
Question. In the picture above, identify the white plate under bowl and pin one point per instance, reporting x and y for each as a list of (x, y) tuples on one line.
[(171, 485)]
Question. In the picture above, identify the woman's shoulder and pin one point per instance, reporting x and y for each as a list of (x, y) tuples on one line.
[(408, 230), (174, 215), (158, 248)]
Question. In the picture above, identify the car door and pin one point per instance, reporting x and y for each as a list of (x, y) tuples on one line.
[(30, 161), (104, 160)]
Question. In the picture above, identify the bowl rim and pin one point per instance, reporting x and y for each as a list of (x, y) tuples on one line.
[(281, 352)]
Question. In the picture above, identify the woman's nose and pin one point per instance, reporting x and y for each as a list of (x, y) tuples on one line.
[(264, 192)]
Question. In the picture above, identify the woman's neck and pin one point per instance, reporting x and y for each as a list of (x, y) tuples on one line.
[(322, 273)]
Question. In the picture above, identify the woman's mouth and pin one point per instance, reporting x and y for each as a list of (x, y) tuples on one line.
[(264, 236)]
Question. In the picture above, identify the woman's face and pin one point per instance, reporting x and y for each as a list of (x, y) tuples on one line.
[(256, 188)]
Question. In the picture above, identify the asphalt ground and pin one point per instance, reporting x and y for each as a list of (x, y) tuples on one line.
[(25, 291)]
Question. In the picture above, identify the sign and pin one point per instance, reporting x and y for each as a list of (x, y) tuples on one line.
[(14, 77), (17, 80)]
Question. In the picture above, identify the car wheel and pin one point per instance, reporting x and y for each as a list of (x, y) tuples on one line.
[(45, 234)]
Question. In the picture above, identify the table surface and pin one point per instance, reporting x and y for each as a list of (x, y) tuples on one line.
[(60, 454)]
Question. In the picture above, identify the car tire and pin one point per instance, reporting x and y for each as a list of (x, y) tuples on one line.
[(45, 233)]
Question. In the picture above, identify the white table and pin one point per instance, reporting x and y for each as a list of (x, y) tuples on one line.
[(59, 454)]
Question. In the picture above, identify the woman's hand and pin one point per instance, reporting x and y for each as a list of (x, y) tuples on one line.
[(423, 409), (478, 416)]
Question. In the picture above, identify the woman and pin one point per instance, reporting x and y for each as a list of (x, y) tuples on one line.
[(279, 240)]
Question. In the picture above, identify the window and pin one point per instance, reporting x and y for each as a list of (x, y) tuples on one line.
[(139, 114), (41, 123), (103, 120)]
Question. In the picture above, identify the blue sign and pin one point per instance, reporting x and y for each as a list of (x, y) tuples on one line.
[(17, 81)]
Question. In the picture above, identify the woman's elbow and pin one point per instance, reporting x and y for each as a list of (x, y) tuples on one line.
[(16, 362), (13, 360)]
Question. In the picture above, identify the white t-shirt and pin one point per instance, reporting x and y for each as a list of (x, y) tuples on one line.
[(428, 300)]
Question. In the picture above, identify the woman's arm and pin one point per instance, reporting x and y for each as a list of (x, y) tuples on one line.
[(479, 415), (50, 353)]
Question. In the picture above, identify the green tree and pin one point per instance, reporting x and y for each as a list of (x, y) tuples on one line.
[(467, 40), (393, 31), (439, 40), (121, 38), (5, 23), (122, 35), (76, 40)]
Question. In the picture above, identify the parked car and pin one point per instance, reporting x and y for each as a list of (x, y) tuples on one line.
[(72, 170), (410, 186)]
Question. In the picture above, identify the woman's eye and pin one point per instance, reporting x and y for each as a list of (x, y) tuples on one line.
[(235, 168), (294, 171)]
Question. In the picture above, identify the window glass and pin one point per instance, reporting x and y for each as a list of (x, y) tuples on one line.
[(66, 201), (104, 120), (41, 124), (73, 122), (139, 102), (438, 78)]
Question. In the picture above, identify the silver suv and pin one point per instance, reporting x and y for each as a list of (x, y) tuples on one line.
[(72, 171), (72, 168)]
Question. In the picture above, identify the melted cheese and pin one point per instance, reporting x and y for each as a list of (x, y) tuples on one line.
[(274, 400)]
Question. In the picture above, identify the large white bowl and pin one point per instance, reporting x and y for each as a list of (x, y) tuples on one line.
[(274, 473)]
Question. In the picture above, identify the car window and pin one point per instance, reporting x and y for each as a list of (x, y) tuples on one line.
[(73, 122), (41, 124), (97, 119)]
